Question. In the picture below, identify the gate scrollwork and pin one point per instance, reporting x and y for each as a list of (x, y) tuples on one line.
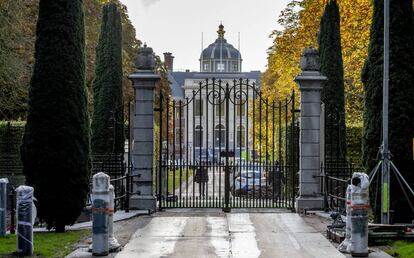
[(216, 96)]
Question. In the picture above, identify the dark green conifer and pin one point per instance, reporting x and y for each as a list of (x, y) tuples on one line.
[(332, 94), (55, 151), (107, 122), (401, 100)]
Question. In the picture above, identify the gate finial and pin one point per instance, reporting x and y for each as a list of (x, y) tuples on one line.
[(145, 59), (309, 60)]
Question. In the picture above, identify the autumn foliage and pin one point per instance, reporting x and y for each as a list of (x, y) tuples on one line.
[(17, 36), (300, 24)]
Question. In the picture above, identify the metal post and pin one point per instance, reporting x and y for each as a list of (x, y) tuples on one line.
[(292, 145), (227, 169), (100, 213), (127, 189), (160, 168), (25, 218), (3, 206), (385, 209), (129, 166), (113, 243)]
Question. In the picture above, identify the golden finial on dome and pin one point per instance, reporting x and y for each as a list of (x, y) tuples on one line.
[(221, 31)]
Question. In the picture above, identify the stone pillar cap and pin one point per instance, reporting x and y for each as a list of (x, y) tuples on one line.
[(310, 65), (309, 60), (145, 59)]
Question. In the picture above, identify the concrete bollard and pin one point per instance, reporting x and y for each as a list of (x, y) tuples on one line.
[(359, 214), (3, 206), (24, 205), (100, 213), (113, 242)]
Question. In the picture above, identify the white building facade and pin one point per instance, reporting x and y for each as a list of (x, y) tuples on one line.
[(205, 122)]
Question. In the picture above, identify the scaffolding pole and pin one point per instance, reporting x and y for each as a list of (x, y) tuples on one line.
[(385, 193)]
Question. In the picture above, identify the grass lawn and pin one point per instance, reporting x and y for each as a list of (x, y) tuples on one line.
[(177, 178), (402, 249), (48, 244)]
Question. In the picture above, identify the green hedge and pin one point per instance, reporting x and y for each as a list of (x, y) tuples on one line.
[(354, 144), (11, 134)]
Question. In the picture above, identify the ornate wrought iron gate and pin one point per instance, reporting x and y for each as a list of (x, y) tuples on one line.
[(226, 146)]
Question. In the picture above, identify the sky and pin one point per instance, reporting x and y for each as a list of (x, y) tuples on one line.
[(176, 26)]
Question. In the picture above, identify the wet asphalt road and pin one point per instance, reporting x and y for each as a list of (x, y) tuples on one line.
[(189, 234)]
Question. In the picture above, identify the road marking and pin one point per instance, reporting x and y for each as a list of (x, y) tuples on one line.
[(293, 241), (242, 236), (219, 236), (157, 239)]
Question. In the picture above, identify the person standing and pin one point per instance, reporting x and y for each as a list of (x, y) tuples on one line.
[(201, 177)]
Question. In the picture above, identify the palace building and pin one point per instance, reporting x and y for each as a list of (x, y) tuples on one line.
[(200, 115)]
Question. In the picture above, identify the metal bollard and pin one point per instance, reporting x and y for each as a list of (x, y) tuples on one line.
[(100, 213), (113, 242), (24, 200), (3, 206), (345, 246), (359, 214)]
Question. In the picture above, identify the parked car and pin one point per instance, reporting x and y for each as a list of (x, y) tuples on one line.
[(246, 166), (247, 180), (238, 160)]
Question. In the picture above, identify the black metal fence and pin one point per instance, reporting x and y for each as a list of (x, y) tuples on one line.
[(11, 209), (226, 146), (336, 173), (118, 169), (12, 168), (118, 166), (336, 167)]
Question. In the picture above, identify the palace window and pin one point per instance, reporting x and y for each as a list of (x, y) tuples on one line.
[(179, 114), (198, 136), (220, 136), (179, 136), (220, 67), (241, 137), (198, 107), (220, 108), (240, 108)]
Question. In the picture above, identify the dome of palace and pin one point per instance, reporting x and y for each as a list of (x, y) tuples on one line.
[(220, 49)]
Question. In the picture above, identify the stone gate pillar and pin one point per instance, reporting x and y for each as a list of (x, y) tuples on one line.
[(310, 84), (143, 79)]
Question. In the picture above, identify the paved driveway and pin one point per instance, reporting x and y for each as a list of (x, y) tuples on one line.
[(215, 234)]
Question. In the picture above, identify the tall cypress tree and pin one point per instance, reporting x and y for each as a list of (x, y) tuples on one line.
[(55, 151), (107, 123), (333, 90), (401, 100)]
